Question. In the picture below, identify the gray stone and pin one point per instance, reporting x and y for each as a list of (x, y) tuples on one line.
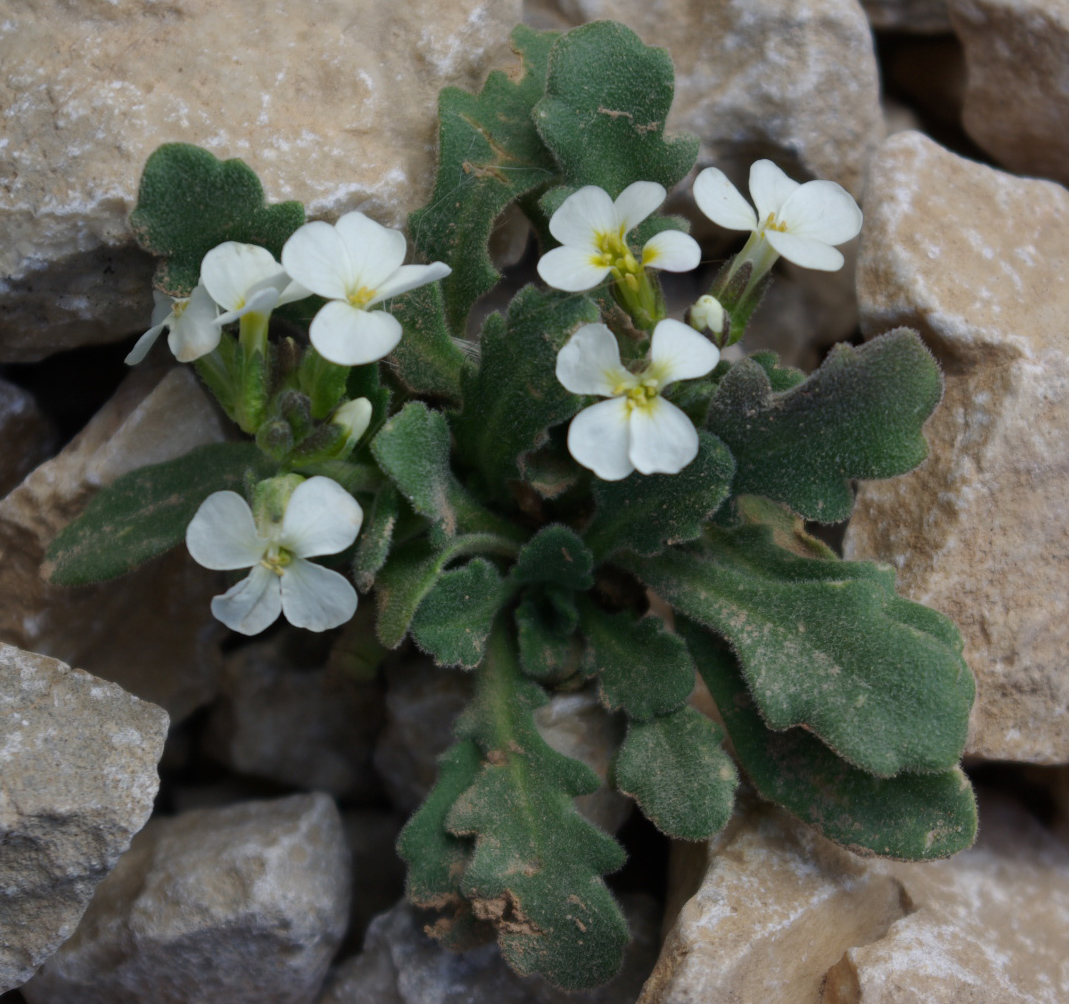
[(78, 762), (26, 434), (227, 906)]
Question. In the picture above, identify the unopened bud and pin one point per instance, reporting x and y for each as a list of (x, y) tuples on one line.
[(707, 315), (354, 417)]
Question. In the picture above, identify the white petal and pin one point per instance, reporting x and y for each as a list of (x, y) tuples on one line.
[(349, 336), (582, 215), (409, 277), (317, 258), (680, 353), (253, 604), (590, 362), (230, 270), (822, 211), (570, 269), (293, 292), (321, 518), (672, 251), (805, 252), (663, 439), (143, 344), (720, 200), (636, 202), (599, 438), (262, 299), (162, 307), (222, 534), (769, 188), (375, 251), (316, 598)]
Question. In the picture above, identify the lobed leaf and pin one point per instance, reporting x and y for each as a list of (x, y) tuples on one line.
[(557, 555), (376, 537), (546, 621), (427, 360)]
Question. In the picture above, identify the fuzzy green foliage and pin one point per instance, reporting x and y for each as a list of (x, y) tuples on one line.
[(189, 201), (364, 381), (427, 360), (915, 817), (146, 512), (323, 381), (674, 767), (546, 622), (489, 154), (828, 645), (376, 537), (536, 870), (858, 416), (555, 555), (604, 113)]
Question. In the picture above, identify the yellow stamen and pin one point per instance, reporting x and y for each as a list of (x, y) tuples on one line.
[(362, 297), (614, 253), (276, 559), (771, 224)]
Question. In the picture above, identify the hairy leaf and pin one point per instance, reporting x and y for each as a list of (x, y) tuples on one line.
[(376, 537), (555, 555), (427, 360), (546, 621)]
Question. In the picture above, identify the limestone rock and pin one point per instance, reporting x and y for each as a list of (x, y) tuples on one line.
[(975, 259), (336, 110), (152, 631), (921, 17), (1017, 54), (246, 903), (783, 916), (77, 778), (26, 435)]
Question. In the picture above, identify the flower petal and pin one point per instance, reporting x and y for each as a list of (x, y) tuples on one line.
[(230, 270), (590, 362), (376, 252), (570, 269), (822, 211), (599, 438), (805, 252), (143, 344), (349, 336), (162, 307), (321, 518), (222, 534), (769, 188), (262, 299), (251, 605), (315, 597), (409, 277), (663, 439), (636, 202), (720, 200), (672, 251), (316, 256), (679, 353), (582, 215), (196, 332)]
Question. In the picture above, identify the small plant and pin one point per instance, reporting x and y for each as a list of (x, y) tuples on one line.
[(507, 502)]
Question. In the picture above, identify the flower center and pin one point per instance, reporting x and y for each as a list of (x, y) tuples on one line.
[(362, 297), (276, 559), (771, 224), (178, 308), (614, 253), (643, 395)]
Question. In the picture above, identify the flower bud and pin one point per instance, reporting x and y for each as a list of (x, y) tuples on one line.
[(354, 417), (707, 314)]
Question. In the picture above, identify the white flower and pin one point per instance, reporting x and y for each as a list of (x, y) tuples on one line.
[(799, 222), (355, 264), (592, 230), (191, 323), (637, 428), (246, 279), (320, 518), (707, 313)]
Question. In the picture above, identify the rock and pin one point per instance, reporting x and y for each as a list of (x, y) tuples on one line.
[(246, 903), (77, 779), (27, 435), (1017, 54), (783, 916), (310, 727), (974, 259), (378, 871), (152, 631), (337, 111), (401, 965), (920, 17)]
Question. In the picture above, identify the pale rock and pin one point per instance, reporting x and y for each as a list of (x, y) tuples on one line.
[(337, 110), (26, 435), (1016, 108), (920, 17), (228, 906), (78, 776), (783, 916), (152, 631), (975, 260)]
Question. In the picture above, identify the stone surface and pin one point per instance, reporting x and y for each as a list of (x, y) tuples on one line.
[(306, 726), (782, 916), (226, 906), (975, 260), (921, 17), (26, 433), (401, 965), (1016, 107), (77, 778), (336, 110), (151, 631)]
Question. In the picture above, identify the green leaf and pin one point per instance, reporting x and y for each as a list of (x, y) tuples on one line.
[(514, 396), (427, 360), (557, 555), (828, 645), (674, 768), (604, 113), (363, 381), (376, 537), (641, 668), (645, 513), (323, 381), (146, 512), (914, 817), (858, 416), (537, 865), (453, 621), (489, 154), (189, 202), (545, 624)]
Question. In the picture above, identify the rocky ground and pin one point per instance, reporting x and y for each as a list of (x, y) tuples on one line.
[(276, 776)]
